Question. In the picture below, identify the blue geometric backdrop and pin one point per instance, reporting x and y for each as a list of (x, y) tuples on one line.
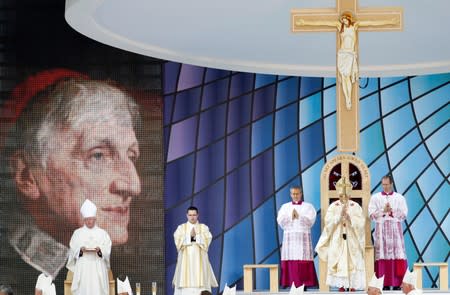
[(235, 142)]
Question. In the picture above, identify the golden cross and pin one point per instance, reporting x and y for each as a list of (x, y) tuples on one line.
[(346, 20)]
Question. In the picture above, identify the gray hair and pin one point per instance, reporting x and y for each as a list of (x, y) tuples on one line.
[(67, 105)]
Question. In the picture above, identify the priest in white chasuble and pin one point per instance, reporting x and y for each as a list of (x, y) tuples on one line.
[(342, 243), (297, 257), (193, 272), (90, 249)]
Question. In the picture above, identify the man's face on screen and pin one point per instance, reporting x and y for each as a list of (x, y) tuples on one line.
[(97, 162)]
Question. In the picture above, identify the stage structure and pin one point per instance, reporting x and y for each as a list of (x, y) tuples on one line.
[(347, 19)]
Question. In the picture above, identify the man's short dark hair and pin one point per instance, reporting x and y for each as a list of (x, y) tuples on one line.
[(205, 292), (6, 289), (192, 208), (296, 187), (388, 176)]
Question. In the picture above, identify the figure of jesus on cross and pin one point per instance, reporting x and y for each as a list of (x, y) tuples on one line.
[(347, 20), (347, 62)]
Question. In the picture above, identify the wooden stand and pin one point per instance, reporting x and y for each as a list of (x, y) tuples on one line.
[(248, 276), (443, 274)]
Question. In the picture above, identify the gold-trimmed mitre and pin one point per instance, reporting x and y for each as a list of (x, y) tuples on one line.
[(343, 187)]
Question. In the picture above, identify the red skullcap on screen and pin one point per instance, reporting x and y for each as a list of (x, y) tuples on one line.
[(23, 92)]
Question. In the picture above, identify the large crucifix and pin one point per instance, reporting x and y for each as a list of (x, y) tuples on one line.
[(346, 20)]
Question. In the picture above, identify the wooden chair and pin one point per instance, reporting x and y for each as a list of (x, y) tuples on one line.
[(69, 278)]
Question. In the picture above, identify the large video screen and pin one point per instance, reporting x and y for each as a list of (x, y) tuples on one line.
[(78, 120)]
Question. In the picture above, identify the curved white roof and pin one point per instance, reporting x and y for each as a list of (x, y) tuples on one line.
[(254, 35)]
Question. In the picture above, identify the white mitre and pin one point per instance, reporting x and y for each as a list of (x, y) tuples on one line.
[(88, 209), (296, 291), (377, 283), (124, 286), (229, 291), (410, 278), (45, 284), (50, 290)]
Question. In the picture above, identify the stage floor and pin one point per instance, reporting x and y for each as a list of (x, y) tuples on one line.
[(317, 292)]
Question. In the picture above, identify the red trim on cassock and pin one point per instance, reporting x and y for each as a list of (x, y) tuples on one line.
[(392, 269), (298, 271)]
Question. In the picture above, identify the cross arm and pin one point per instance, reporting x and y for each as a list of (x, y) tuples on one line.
[(382, 19), (314, 20)]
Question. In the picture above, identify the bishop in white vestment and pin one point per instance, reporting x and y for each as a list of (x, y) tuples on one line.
[(123, 286), (90, 249), (193, 272), (375, 285), (44, 285), (342, 242), (409, 283)]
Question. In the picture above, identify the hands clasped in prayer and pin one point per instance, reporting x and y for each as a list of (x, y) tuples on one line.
[(345, 217), (193, 234), (387, 208), (295, 214)]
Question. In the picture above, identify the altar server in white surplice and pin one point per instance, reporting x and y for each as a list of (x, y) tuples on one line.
[(90, 248), (193, 272), (389, 210), (296, 219)]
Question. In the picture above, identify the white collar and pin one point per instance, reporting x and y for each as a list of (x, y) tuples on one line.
[(49, 258)]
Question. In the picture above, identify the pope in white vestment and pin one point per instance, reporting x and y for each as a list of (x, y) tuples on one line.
[(90, 249), (193, 272), (342, 243)]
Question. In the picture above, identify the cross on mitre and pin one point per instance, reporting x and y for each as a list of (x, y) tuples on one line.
[(343, 187)]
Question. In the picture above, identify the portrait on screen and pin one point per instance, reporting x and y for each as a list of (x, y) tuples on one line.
[(71, 137)]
